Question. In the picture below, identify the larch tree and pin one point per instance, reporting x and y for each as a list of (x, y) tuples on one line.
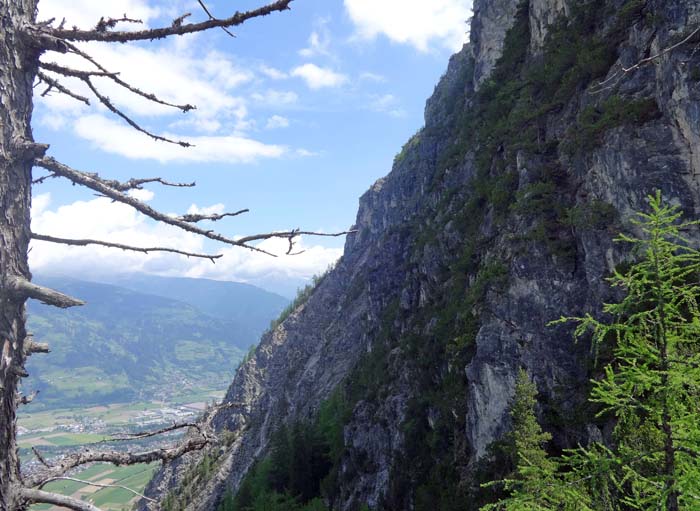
[(650, 390), (26, 47)]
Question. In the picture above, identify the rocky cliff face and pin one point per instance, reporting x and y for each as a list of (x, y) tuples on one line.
[(496, 218)]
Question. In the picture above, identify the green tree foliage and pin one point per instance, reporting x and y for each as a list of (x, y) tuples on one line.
[(536, 483), (651, 388), (289, 478)]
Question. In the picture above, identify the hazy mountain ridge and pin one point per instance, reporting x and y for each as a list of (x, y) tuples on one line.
[(125, 345)]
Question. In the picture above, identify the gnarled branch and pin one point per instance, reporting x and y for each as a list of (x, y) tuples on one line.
[(99, 485), (159, 33), (26, 289), (31, 347), (211, 17), (97, 185), (143, 250), (55, 84), (103, 72), (116, 111), (196, 217), (117, 458), (35, 496)]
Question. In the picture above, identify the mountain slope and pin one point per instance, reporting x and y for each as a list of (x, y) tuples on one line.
[(124, 345), (497, 218), (249, 306)]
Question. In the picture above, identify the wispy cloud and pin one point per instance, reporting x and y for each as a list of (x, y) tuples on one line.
[(103, 219), (372, 77), (114, 137), (319, 43), (319, 77), (275, 98), (272, 72), (276, 122), (386, 103)]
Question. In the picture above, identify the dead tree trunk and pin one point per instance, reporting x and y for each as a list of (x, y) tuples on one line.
[(18, 68)]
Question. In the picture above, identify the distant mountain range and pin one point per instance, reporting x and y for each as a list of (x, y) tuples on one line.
[(143, 338)]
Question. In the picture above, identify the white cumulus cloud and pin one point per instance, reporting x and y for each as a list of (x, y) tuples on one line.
[(318, 77), (419, 23), (103, 219), (117, 138)]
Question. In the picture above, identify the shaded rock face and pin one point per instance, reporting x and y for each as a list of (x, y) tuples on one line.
[(459, 252), (544, 13), (492, 19)]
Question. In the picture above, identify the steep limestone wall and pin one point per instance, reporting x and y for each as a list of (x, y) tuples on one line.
[(497, 217)]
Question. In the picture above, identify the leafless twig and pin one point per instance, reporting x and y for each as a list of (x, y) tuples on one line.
[(105, 24), (236, 19), (35, 496), (97, 185), (103, 72), (55, 84), (143, 250), (195, 217), (110, 106), (211, 17)]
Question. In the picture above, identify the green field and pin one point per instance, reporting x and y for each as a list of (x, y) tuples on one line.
[(113, 414), (109, 499), (117, 419)]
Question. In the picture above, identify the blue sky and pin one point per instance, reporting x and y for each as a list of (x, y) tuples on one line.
[(295, 119)]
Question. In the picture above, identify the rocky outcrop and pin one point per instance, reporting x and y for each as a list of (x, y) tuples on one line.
[(497, 218), (492, 19), (543, 13)]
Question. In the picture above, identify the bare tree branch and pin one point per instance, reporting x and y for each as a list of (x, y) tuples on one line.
[(117, 458), (177, 22), (158, 432), (55, 84), (108, 23), (44, 497), (98, 485), (26, 399), (136, 184), (31, 346), (89, 181), (195, 217), (125, 186), (26, 289), (41, 179), (103, 72), (203, 437), (40, 457), (110, 106), (143, 250), (74, 73), (211, 17), (159, 33)]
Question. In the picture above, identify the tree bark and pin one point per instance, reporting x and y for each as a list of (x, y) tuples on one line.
[(18, 68)]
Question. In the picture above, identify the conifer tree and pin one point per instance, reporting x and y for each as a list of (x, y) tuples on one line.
[(651, 389), (536, 483)]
